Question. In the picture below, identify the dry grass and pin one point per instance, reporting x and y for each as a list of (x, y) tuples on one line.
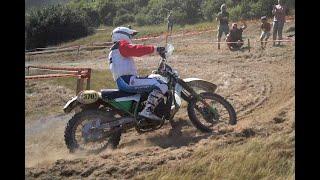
[(257, 158), (99, 80), (43, 99), (47, 97)]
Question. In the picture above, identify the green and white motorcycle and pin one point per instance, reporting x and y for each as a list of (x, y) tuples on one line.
[(101, 117)]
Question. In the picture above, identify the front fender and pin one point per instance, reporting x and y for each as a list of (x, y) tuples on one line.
[(200, 84)]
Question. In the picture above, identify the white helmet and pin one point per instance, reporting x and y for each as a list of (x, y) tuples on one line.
[(123, 33)]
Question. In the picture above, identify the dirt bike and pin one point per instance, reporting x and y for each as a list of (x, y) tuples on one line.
[(101, 117)]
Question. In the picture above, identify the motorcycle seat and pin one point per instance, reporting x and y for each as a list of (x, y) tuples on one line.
[(114, 93)]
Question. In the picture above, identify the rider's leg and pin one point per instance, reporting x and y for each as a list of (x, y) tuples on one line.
[(153, 101), (140, 85), (154, 98)]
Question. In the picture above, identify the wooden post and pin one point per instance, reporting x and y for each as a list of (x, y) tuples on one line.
[(249, 44), (88, 79), (91, 49), (28, 73), (78, 52), (79, 84)]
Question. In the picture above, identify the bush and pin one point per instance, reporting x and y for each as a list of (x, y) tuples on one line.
[(107, 11), (249, 9), (141, 19), (235, 13), (180, 17), (52, 25), (192, 9), (125, 18), (89, 9), (210, 8)]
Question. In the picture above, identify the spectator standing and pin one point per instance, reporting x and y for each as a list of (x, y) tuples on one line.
[(170, 21), (235, 36), (223, 27), (265, 31), (278, 21)]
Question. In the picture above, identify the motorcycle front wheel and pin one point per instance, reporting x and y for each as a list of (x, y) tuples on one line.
[(83, 133), (205, 119)]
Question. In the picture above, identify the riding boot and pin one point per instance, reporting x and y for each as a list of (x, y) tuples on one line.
[(153, 100)]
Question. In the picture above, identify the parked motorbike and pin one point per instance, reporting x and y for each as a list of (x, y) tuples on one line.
[(101, 117)]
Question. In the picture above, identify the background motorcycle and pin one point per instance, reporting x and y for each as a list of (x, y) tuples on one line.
[(101, 117)]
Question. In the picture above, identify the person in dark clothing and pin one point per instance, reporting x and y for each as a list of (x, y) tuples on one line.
[(223, 27), (235, 36), (170, 21), (279, 12)]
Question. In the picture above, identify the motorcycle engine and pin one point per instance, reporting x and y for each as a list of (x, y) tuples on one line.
[(164, 107)]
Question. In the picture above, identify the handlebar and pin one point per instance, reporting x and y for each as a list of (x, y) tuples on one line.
[(162, 64)]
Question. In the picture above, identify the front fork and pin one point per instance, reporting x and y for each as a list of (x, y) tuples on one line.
[(196, 96), (212, 109), (174, 110)]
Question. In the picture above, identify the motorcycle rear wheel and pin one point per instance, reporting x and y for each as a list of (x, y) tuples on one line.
[(203, 119), (77, 122)]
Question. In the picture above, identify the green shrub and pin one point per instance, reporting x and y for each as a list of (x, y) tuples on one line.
[(107, 11), (180, 17), (141, 19), (89, 9), (52, 25), (235, 13), (125, 18)]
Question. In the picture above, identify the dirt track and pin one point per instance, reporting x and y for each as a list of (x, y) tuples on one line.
[(259, 84)]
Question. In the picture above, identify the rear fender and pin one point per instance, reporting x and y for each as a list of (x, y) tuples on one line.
[(87, 98), (71, 104), (200, 85)]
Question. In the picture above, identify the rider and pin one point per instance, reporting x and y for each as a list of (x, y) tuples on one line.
[(125, 73)]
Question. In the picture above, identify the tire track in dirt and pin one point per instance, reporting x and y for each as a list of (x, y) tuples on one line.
[(263, 95)]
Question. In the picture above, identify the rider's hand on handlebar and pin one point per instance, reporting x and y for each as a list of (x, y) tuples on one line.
[(161, 51)]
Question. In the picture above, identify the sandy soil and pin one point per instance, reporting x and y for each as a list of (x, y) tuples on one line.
[(259, 84)]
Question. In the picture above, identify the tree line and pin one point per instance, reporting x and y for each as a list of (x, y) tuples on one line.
[(59, 23)]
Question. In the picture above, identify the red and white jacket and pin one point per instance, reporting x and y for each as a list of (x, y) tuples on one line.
[(120, 58)]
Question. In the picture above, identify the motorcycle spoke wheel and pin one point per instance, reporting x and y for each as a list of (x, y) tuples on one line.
[(81, 132), (204, 114), (205, 118), (92, 145)]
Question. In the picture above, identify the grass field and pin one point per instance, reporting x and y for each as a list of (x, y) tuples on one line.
[(257, 158), (99, 80)]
